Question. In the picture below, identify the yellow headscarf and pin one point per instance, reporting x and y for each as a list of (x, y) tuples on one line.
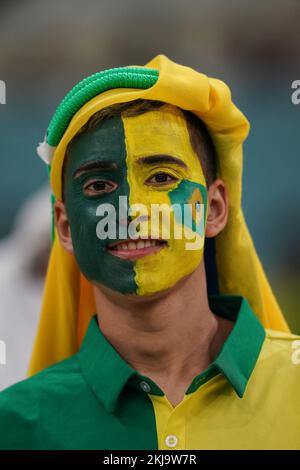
[(68, 302)]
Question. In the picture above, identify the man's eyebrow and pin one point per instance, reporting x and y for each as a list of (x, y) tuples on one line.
[(154, 159), (97, 165)]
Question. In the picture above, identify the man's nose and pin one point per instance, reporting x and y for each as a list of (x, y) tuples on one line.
[(126, 221)]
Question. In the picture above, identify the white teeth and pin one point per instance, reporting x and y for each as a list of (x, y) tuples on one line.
[(140, 244), (137, 244)]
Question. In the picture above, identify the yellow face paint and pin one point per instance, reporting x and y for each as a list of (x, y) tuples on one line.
[(164, 132)]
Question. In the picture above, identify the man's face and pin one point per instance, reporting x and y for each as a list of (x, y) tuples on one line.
[(146, 159)]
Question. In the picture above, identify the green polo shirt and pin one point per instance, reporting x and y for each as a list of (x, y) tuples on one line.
[(95, 400)]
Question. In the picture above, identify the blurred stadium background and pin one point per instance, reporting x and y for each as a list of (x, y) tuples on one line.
[(46, 47)]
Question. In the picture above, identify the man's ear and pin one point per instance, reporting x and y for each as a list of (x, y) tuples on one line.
[(217, 206), (63, 226)]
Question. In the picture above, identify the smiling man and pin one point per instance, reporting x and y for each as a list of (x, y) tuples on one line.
[(144, 155), (169, 326)]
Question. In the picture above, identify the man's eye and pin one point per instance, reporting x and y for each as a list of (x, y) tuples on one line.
[(92, 188), (161, 178)]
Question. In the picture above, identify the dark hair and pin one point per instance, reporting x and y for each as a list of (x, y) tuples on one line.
[(201, 140)]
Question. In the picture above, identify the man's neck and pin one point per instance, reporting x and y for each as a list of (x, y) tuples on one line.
[(170, 337)]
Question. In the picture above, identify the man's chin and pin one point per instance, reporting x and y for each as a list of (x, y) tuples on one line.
[(151, 293)]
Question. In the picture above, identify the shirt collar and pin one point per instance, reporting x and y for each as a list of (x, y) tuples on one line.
[(239, 353), (107, 372), (103, 368)]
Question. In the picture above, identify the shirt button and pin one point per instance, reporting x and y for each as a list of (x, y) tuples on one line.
[(171, 441), (145, 387)]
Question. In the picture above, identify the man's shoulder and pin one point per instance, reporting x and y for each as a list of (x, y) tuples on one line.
[(61, 372), (21, 403), (283, 348), (282, 340)]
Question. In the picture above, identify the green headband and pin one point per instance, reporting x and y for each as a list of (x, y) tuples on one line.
[(85, 90)]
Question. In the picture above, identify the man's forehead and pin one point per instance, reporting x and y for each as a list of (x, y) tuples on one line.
[(104, 142), (161, 131), (156, 132)]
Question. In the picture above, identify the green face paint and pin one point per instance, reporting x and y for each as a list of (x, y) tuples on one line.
[(112, 155), (193, 194), (105, 145)]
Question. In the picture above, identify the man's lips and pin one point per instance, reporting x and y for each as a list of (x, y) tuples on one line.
[(134, 249)]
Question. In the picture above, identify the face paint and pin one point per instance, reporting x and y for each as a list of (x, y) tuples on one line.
[(103, 145), (137, 149), (164, 132)]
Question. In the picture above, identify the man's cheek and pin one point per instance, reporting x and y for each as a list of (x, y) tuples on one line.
[(94, 260), (189, 200), (85, 215), (87, 246), (184, 251), (164, 269)]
